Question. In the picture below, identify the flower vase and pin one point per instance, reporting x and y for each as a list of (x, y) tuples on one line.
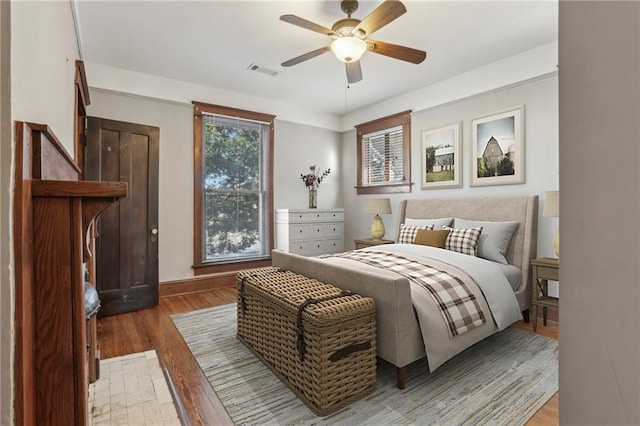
[(313, 198)]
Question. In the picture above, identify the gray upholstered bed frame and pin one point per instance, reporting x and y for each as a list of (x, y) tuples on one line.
[(399, 338)]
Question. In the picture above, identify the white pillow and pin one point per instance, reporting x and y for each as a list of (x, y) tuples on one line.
[(495, 239), (435, 223), (408, 233)]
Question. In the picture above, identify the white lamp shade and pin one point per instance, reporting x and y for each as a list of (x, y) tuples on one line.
[(551, 204), (377, 206), (348, 49)]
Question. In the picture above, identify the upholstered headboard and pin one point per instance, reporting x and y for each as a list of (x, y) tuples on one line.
[(524, 210)]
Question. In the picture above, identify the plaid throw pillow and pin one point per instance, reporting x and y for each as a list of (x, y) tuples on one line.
[(408, 233), (463, 240)]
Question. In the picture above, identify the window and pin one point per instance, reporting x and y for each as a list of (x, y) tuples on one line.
[(233, 193), (384, 155)]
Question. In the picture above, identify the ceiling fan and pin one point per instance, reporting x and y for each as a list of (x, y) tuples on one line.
[(350, 37)]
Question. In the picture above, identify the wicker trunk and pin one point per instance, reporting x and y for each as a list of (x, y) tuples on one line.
[(319, 340)]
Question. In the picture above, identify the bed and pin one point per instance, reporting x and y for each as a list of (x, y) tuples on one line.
[(409, 331)]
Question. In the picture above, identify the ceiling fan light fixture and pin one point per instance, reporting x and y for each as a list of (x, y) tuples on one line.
[(348, 49)]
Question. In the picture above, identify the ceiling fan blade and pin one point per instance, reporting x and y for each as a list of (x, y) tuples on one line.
[(300, 22), (381, 16), (354, 72), (306, 56), (395, 51)]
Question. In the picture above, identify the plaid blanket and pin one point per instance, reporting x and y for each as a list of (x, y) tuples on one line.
[(458, 305)]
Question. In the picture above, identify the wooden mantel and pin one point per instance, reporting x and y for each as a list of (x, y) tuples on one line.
[(53, 210), (96, 196)]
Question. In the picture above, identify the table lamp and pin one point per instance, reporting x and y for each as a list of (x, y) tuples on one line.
[(552, 209), (377, 206)]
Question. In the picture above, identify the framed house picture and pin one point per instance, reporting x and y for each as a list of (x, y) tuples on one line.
[(441, 157), (497, 145)]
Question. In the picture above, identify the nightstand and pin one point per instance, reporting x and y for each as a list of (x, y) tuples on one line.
[(543, 269), (368, 242)]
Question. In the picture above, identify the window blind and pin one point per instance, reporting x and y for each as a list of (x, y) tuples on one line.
[(382, 157), (234, 183)]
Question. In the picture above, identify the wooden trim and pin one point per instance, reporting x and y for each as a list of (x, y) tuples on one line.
[(197, 188), (24, 375), (61, 188), (385, 189), (200, 107), (81, 81), (81, 100), (383, 122), (43, 129), (197, 284), (401, 118), (213, 268), (225, 278), (199, 266)]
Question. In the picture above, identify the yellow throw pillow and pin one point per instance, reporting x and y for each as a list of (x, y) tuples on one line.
[(431, 238)]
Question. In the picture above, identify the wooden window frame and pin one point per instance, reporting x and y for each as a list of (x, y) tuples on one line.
[(200, 266), (403, 119)]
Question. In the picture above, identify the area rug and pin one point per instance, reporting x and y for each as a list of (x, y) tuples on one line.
[(132, 390), (502, 380)]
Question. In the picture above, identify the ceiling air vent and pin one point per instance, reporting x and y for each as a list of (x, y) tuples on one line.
[(263, 70)]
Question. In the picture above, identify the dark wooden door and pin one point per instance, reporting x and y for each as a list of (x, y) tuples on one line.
[(127, 233)]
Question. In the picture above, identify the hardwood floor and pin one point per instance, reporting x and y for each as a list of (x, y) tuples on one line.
[(153, 329)]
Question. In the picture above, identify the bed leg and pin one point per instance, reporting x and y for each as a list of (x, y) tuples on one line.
[(401, 374), (525, 316)]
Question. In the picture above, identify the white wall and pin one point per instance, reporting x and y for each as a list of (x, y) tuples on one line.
[(540, 98), (125, 81), (43, 66), (600, 208), (533, 63), (296, 146)]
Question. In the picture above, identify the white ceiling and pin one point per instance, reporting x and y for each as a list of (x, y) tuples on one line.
[(212, 43)]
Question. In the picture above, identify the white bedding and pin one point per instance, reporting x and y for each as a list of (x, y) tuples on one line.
[(486, 280)]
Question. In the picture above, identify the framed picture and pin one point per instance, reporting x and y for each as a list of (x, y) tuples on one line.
[(497, 145), (441, 157)]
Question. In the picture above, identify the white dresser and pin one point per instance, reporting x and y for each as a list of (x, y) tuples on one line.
[(310, 232)]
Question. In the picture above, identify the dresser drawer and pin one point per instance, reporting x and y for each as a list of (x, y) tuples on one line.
[(317, 247), (299, 216), (548, 273), (334, 229), (333, 246), (321, 216), (316, 230), (324, 230), (303, 248), (298, 232)]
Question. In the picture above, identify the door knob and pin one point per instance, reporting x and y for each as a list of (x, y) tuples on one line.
[(154, 231)]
